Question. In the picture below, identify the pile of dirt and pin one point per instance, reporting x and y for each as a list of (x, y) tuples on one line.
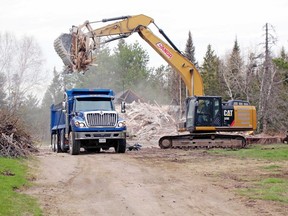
[(14, 140), (146, 123)]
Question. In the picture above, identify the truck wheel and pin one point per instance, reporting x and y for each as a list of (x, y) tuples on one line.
[(53, 142), (62, 141), (120, 146), (57, 143), (74, 144)]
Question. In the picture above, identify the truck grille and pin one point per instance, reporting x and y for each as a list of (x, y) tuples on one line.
[(101, 119)]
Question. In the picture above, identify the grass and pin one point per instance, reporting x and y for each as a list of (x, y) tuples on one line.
[(264, 186), (273, 189), (13, 178), (273, 152), (272, 167)]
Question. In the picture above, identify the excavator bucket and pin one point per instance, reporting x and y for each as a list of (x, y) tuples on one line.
[(62, 46), (75, 50)]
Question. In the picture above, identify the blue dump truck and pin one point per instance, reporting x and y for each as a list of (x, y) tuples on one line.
[(87, 119)]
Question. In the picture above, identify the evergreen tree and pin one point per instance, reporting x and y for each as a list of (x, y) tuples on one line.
[(178, 89), (102, 75), (250, 80), (29, 111), (282, 65), (277, 116), (190, 50), (175, 86), (233, 74), (157, 85), (131, 66), (56, 88), (210, 73)]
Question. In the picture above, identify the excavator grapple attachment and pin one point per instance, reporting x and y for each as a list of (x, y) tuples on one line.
[(62, 46), (75, 50)]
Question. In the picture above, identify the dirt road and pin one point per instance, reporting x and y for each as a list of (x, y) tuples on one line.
[(146, 182)]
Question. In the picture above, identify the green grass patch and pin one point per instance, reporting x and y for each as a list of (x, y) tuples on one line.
[(274, 189), (272, 184), (272, 167), (273, 152), (13, 177)]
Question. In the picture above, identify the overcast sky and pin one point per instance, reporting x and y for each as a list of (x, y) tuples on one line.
[(211, 22)]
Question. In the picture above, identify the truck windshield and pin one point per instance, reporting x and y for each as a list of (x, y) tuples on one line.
[(93, 104)]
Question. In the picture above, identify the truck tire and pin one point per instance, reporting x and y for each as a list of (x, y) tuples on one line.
[(57, 143), (62, 141), (120, 146), (74, 144), (53, 142)]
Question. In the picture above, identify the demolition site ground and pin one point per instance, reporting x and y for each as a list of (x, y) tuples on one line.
[(154, 181)]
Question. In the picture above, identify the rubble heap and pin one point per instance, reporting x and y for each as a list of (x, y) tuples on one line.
[(14, 141), (146, 123)]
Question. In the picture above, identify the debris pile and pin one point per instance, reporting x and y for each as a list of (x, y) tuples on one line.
[(264, 139), (146, 123), (14, 141), (135, 147)]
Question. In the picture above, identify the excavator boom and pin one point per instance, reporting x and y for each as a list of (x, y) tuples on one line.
[(76, 48)]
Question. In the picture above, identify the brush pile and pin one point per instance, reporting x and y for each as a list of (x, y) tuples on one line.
[(14, 140), (146, 123)]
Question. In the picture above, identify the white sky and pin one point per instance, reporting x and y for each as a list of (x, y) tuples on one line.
[(211, 22)]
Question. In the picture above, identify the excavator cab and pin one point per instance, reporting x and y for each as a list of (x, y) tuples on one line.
[(203, 112)]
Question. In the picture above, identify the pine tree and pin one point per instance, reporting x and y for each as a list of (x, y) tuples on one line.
[(131, 66), (157, 87), (102, 75), (55, 91), (179, 89), (282, 64), (190, 50), (56, 88), (234, 74), (210, 73)]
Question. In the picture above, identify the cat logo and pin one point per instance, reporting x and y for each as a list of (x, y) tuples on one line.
[(228, 113)]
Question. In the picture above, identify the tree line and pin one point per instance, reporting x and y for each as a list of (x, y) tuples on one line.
[(261, 77)]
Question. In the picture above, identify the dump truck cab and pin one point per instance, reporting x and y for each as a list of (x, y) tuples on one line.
[(87, 119)]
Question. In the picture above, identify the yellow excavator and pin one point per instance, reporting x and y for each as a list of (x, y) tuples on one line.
[(207, 117)]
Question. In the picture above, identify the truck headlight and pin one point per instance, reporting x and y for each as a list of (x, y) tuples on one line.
[(121, 124), (79, 124)]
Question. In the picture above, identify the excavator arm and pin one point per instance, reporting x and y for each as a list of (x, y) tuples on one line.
[(76, 49)]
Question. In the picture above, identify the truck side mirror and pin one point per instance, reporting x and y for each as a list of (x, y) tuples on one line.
[(123, 109)]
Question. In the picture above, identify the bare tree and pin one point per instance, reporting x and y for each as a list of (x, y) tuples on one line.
[(7, 51), (21, 62), (267, 80)]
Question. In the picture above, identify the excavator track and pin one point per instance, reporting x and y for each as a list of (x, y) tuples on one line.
[(62, 46), (202, 140)]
